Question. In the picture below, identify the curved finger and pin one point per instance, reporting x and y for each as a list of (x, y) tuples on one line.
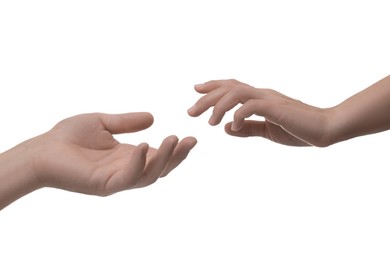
[(129, 176), (237, 95), (180, 153), (126, 123), (207, 101), (157, 164), (253, 107)]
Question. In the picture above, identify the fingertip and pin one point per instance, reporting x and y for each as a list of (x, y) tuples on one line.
[(235, 127), (202, 88), (212, 121), (192, 141), (127, 122), (140, 153), (237, 123), (181, 152), (173, 138), (192, 110), (149, 118), (146, 117), (199, 86), (144, 147), (215, 119), (231, 129)]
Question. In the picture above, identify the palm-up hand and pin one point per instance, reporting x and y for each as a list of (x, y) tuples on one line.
[(80, 154)]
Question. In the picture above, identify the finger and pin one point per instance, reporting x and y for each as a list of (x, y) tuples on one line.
[(237, 95), (251, 107), (126, 123), (249, 128), (208, 86), (159, 161), (207, 101), (267, 130), (129, 176), (180, 153)]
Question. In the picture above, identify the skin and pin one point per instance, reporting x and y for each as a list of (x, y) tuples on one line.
[(291, 122), (81, 155)]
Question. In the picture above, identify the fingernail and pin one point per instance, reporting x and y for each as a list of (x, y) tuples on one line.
[(191, 109), (198, 85), (235, 127)]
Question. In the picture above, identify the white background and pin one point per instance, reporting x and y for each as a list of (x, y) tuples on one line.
[(232, 198)]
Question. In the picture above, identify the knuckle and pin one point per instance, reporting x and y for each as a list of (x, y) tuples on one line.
[(236, 90), (233, 81), (230, 83), (252, 105), (251, 102), (211, 82)]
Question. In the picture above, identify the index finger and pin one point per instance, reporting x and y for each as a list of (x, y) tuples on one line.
[(207, 101), (208, 86), (214, 90)]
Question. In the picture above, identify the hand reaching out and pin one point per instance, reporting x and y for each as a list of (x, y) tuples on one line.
[(80, 154), (287, 121), (291, 122)]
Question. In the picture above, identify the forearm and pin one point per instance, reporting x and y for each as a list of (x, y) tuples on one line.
[(16, 174), (367, 112)]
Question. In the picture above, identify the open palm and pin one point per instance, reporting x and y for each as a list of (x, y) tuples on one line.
[(80, 154)]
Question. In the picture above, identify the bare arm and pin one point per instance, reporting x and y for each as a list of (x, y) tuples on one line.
[(81, 155), (366, 112), (292, 122), (16, 175)]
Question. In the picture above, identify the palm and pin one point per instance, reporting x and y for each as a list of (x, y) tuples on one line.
[(84, 156)]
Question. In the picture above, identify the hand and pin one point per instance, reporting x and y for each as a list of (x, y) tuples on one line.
[(80, 154), (287, 121)]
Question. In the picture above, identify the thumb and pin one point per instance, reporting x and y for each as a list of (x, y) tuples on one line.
[(126, 123), (249, 128)]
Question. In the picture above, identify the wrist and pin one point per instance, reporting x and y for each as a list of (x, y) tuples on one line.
[(328, 128), (338, 123), (17, 176)]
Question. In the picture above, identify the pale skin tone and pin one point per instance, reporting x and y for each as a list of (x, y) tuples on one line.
[(288, 121), (80, 154)]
